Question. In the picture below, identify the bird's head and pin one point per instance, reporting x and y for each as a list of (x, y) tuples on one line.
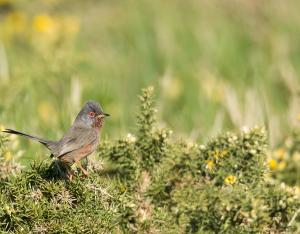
[(92, 115)]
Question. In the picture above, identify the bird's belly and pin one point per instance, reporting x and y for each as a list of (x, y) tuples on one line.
[(79, 154)]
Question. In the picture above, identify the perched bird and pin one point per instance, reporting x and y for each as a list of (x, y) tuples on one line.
[(79, 141)]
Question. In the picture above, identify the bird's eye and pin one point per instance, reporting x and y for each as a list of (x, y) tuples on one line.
[(91, 114)]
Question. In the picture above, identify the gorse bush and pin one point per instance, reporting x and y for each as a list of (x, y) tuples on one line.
[(152, 183), (285, 161), (8, 164)]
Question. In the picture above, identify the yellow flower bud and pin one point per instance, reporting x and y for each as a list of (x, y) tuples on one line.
[(8, 156), (280, 153)]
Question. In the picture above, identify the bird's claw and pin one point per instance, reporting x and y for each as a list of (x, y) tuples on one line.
[(85, 173)]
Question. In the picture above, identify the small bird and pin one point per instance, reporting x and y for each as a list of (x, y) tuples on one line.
[(79, 141)]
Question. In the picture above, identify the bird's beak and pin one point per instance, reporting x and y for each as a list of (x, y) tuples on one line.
[(104, 115)]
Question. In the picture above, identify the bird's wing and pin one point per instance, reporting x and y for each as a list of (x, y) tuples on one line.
[(74, 139)]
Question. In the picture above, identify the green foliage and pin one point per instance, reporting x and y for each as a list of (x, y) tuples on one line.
[(152, 142), (31, 202), (241, 155), (285, 161), (152, 183), (8, 164)]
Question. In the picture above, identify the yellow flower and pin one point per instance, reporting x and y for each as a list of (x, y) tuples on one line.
[(16, 21), (298, 117), (46, 112), (44, 24), (8, 156), (230, 179), (273, 164), (280, 153), (219, 153), (281, 165), (223, 153), (209, 164), (216, 154)]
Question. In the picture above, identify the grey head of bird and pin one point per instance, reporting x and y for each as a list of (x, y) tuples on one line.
[(91, 115)]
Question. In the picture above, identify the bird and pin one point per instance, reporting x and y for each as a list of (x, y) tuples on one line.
[(81, 140)]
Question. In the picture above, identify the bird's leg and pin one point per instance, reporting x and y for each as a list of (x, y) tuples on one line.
[(85, 172), (70, 175)]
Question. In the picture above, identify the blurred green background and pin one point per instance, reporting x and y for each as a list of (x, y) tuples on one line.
[(215, 65)]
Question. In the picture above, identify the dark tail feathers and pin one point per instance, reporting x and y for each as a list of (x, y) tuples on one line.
[(46, 143)]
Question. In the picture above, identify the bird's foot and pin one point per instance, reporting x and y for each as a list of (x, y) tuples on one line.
[(85, 173), (70, 175)]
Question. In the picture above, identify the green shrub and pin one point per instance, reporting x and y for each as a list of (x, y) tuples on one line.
[(152, 183), (8, 164), (285, 161)]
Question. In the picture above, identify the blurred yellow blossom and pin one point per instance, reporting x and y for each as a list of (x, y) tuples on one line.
[(230, 179), (171, 87), (7, 156), (212, 87), (215, 154), (51, 29), (16, 21), (2, 128), (209, 164), (280, 153), (45, 24), (281, 165), (219, 153), (298, 117), (174, 89), (223, 153), (273, 164), (46, 112)]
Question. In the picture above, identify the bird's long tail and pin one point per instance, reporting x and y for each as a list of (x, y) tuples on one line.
[(46, 143)]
